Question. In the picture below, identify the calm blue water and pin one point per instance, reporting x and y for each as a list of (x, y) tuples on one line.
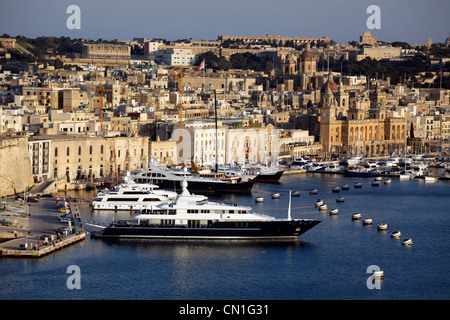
[(328, 262)]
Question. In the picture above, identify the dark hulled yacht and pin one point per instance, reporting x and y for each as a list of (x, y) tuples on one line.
[(194, 217)]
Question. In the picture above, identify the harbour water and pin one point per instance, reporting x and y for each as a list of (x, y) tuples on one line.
[(330, 261)]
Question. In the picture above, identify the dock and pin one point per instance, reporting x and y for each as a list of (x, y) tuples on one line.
[(41, 238), (44, 250)]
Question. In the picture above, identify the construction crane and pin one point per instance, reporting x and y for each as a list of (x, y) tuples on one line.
[(101, 90)]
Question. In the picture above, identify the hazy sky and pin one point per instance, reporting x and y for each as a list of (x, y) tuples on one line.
[(412, 21)]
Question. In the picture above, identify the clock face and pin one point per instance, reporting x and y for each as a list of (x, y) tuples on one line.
[(324, 115)]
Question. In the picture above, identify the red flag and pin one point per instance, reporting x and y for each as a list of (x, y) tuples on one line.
[(201, 66)]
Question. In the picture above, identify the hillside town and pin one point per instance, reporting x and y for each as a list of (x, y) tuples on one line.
[(73, 110)]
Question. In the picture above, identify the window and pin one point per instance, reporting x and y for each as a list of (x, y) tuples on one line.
[(90, 149), (56, 152), (101, 149), (79, 150), (68, 151)]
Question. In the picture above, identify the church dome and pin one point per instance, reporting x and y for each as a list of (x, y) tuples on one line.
[(308, 54), (330, 84)]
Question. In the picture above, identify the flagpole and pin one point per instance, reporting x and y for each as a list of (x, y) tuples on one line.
[(204, 78)]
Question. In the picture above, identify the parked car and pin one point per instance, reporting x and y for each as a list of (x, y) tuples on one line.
[(63, 230), (32, 199), (65, 220)]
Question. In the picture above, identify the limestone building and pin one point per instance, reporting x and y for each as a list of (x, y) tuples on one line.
[(106, 51), (72, 158), (365, 132), (368, 39), (308, 62)]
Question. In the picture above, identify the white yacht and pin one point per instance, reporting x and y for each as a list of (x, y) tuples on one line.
[(128, 198), (354, 160), (132, 196), (194, 217)]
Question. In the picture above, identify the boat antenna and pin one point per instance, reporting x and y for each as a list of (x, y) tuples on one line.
[(215, 120), (289, 207)]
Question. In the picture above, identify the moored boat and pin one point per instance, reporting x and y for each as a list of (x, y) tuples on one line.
[(359, 171), (407, 242), (171, 179), (334, 212), (194, 217), (356, 216), (396, 234)]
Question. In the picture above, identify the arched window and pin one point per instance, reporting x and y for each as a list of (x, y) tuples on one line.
[(101, 149)]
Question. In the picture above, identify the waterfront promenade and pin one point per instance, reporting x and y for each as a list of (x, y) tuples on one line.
[(41, 237)]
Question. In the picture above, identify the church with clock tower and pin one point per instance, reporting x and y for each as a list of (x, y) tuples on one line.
[(356, 130)]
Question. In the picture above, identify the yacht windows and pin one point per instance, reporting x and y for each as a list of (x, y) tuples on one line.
[(150, 199), (122, 199), (167, 222), (193, 223), (135, 192)]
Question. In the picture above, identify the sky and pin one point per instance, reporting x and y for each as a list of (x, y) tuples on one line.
[(412, 21)]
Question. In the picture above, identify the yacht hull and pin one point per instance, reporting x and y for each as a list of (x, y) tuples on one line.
[(350, 173), (269, 177), (229, 230)]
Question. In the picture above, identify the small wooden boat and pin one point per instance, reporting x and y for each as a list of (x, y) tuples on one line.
[(313, 191), (259, 200), (334, 212), (340, 199), (295, 194), (319, 202), (276, 196), (323, 207), (356, 216), (396, 234), (358, 185), (378, 274), (407, 242), (336, 189), (367, 221), (382, 227)]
